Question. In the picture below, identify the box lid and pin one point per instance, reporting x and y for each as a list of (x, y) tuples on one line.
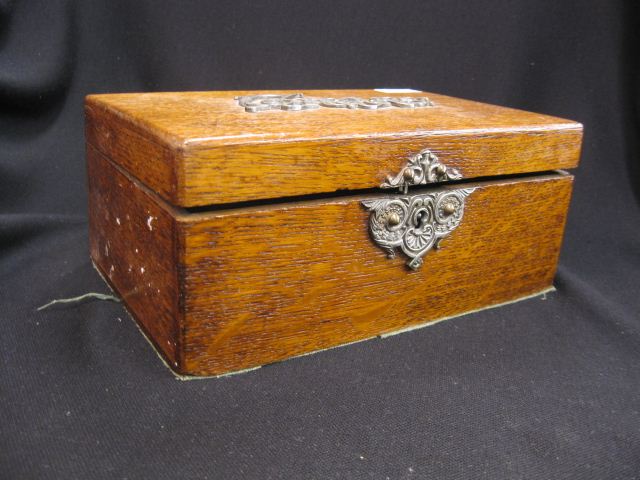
[(206, 148)]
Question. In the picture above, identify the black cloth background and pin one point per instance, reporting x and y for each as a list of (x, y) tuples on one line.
[(540, 389)]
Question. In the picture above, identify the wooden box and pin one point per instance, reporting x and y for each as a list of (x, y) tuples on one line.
[(243, 228)]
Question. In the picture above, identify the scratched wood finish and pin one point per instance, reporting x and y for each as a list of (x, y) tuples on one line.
[(266, 283), (201, 148), (132, 243)]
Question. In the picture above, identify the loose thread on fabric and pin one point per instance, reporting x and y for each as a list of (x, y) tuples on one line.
[(95, 295)]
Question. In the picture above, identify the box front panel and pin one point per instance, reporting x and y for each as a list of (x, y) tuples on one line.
[(263, 284)]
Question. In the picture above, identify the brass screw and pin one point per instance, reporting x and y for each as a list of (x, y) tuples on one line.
[(408, 174), (441, 170), (448, 209), (393, 219)]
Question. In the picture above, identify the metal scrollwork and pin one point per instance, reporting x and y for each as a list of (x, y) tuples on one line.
[(421, 169), (416, 223), (298, 101)]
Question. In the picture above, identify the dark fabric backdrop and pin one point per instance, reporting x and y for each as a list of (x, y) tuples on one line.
[(541, 389)]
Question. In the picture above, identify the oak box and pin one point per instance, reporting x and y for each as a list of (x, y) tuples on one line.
[(243, 228)]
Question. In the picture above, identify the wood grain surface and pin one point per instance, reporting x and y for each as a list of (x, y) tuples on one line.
[(134, 151), (201, 148), (263, 284), (133, 244)]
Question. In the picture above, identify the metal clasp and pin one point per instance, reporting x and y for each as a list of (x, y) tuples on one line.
[(417, 223), (421, 169)]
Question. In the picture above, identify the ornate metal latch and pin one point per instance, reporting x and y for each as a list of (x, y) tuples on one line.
[(417, 223), (421, 168)]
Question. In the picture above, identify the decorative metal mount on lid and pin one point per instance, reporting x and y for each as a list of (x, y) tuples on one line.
[(298, 101), (417, 223)]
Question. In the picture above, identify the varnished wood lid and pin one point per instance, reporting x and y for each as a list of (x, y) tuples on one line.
[(203, 148)]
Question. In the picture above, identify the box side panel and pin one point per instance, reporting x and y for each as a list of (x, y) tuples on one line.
[(270, 170), (264, 284), (149, 161), (133, 244)]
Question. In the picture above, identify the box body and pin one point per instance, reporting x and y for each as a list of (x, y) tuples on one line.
[(235, 285)]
